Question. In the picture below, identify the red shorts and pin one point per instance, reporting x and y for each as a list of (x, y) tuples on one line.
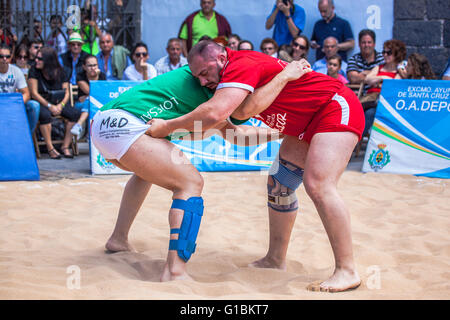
[(343, 113)]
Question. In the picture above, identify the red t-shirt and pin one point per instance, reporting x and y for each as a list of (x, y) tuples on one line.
[(295, 106)]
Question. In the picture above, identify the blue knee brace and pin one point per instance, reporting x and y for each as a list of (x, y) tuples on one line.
[(187, 233), (286, 177)]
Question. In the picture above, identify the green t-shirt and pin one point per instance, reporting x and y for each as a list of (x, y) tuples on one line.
[(167, 96), (201, 27)]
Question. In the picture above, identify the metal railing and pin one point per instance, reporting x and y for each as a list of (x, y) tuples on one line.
[(32, 18)]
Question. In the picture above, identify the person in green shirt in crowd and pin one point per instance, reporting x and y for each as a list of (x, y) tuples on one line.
[(204, 22), (119, 130)]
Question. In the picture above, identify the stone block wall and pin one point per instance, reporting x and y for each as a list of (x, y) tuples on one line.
[(424, 26)]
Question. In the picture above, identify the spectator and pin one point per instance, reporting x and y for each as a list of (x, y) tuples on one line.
[(73, 59), (90, 72), (173, 60), (35, 46), (233, 41), (285, 52), (90, 30), (360, 64), (289, 20), (300, 47), (330, 48), (13, 80), (57, 39), (21, 59), (334, 64), (37, 29), (331, 25), (112, 60), (446, 73), (49, 85), (245, 45), (203, 22), (222, 40), (418, 67), (8, 38), (270, 47), (394, 52), (141, 70)]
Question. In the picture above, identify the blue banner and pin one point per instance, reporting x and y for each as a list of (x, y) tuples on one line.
[(211, 154), (411, 132), (17, 155)]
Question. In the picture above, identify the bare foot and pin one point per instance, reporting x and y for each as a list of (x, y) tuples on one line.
[(341, 280), (114, 245), (168, 276), (267, 262)]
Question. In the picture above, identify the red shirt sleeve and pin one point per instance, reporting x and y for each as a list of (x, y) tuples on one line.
[(242, 73)]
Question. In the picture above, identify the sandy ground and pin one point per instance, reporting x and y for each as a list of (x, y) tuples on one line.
[(52, 236)]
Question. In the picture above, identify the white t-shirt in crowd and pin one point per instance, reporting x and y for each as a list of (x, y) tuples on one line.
[(12, 80), (131, 73), (163, 65)]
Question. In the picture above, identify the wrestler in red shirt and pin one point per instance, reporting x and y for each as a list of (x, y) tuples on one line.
[(314, 103), (322, 121)]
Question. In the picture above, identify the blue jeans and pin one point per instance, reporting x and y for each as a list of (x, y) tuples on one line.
[(370, 117), (32, 107), (83, 106)]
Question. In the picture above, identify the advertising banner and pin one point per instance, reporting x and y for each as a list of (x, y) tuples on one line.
[(411, 131), (211, 154)]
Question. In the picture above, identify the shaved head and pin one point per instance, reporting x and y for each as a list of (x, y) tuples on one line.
[(207, 49), (206, 60)]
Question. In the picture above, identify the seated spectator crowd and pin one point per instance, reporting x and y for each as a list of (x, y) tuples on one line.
[(42, 71)]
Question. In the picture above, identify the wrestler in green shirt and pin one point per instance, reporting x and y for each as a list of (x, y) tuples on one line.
[(167, 96)]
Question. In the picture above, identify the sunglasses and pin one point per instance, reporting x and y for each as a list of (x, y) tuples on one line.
[(295, 44), (5, 56), (37, 47), (140, 54), (387, 52), (21, 57), (39, 58)]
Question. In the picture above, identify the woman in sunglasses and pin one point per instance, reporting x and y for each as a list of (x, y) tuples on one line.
[(300, 48), (140, 70), (47, 81), (21, 59), (394, 53)]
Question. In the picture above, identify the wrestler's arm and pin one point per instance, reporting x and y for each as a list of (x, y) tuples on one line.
[(219, 107), (264, 96), (206, 116), (242, 135)]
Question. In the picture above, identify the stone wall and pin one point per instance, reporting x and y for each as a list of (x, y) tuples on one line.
[(424, 25)]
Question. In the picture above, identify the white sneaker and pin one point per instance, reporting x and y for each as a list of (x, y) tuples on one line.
[(76, 130)]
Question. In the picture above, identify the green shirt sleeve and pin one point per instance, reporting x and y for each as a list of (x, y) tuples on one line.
[(183, 33)]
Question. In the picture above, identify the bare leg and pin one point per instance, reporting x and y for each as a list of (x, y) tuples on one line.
[(159, 162), (46, 130), (327, 159), (67, 139), (133, 196), (281, 223), (83, 117)]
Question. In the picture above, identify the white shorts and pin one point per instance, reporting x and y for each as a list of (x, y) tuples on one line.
[(114, 131)]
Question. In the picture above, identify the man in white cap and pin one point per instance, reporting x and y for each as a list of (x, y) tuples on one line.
[(73, 59)]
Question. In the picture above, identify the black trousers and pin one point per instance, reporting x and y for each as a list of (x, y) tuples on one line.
[(70, 113)]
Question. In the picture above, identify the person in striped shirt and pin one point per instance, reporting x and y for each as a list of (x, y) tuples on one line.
[(360, 64)]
